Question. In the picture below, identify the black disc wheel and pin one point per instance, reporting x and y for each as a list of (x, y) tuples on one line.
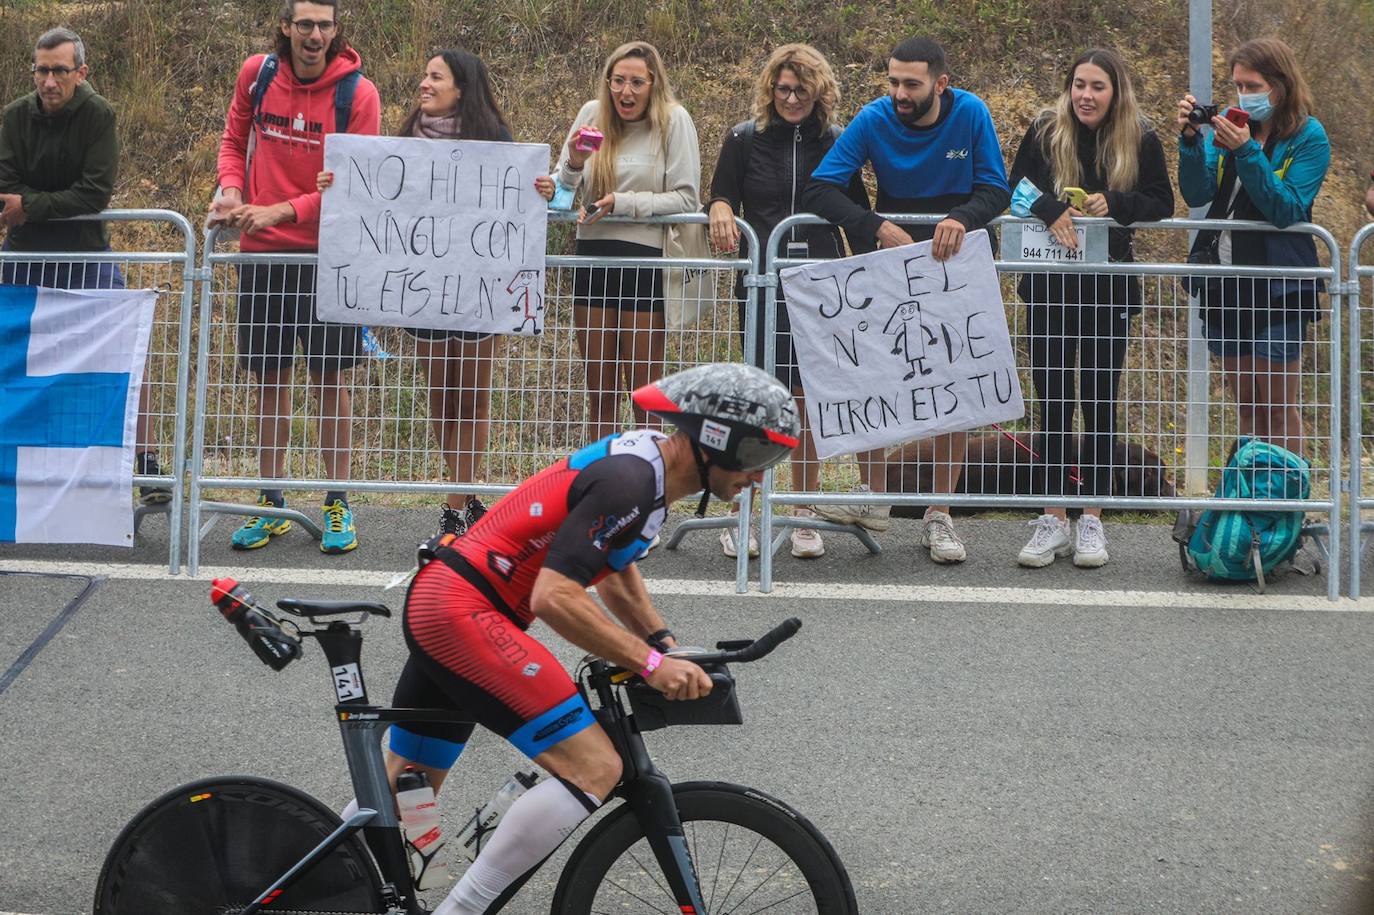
[(211, 847), (752, 854)]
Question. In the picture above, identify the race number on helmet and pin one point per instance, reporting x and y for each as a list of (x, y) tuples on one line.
[(741, 416)]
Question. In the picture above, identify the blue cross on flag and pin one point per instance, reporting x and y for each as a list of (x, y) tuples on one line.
[(71, 363)]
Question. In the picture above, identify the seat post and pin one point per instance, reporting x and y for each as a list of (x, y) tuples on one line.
[(343, 648)]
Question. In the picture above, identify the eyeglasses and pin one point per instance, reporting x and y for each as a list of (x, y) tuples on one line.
[(306, 27), (636, 84), (801, 93), (59, 72)]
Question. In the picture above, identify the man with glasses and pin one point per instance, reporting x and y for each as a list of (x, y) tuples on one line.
[(58, 158), (934, 150), (272, 148)]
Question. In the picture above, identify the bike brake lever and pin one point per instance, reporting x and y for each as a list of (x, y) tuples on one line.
[(734, 644)]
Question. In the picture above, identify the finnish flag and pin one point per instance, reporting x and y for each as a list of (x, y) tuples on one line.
[(71, 363)]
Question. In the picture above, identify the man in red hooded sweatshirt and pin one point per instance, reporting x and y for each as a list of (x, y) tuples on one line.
[(268, 158)]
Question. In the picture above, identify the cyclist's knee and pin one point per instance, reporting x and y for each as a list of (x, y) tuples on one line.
[(590, 763), (600, 776)]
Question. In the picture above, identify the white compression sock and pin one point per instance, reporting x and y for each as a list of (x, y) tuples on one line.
[(536, 824)]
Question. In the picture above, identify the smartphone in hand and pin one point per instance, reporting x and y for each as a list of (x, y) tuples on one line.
[(588, 140), (1238, 116), (592, 213), (1074, 197)]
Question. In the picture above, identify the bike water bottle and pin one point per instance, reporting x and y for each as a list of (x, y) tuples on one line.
[(420, 820), (259, 628), (474, 834)]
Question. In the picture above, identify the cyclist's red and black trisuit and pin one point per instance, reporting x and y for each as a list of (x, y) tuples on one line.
[(466, 613)]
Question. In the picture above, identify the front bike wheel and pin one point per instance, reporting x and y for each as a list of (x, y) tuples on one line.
[(212, 846), (752, 853)]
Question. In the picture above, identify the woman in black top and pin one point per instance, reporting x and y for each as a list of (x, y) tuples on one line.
[(764, 164), (1093, 139)]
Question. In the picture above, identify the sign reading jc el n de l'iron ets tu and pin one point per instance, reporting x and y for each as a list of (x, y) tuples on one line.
[(895, 345)]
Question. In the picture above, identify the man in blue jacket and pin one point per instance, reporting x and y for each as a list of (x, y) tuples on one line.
[(934, 150)]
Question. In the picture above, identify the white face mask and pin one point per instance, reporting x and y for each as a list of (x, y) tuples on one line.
[(1257, 105)]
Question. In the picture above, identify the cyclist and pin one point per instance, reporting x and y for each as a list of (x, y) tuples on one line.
[(583, 521)]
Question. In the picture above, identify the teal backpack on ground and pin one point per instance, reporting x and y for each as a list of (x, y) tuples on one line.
[(1238, 545)]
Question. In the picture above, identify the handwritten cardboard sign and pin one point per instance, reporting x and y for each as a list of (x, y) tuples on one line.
[(895, 345), (444, 234)]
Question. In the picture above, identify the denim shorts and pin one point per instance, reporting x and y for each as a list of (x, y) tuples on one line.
[(1281, 341)]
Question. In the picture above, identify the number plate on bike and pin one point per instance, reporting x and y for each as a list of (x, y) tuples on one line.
[(348, 682)]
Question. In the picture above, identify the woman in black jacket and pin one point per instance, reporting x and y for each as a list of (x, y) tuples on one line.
[(1093, 139), (764, 164)]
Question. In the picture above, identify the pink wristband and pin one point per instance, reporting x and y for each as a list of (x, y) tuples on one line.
[(651, 665)]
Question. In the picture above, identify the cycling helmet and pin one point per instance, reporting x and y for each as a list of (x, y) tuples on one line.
[(737, 417)]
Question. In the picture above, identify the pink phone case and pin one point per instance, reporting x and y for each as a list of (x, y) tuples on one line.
[(588, 139)]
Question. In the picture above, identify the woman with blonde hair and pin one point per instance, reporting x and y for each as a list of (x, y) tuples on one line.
[(647, 164), (764, 164), (1092, 140)]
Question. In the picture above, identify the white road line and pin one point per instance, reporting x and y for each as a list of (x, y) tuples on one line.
[(1233, 598)]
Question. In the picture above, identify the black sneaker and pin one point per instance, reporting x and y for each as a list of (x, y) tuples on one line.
[(473, 512), (145, 464), (451, 521)]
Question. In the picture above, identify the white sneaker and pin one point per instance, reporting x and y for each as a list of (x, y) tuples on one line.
[(727, 543), (877, 518), (1051, 539), (945, 545), (806, 542), (1090, 546)]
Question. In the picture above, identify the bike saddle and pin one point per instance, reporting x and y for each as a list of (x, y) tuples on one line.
[(313, 608)]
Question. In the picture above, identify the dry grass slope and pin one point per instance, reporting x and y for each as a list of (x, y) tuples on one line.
[(169, 66)]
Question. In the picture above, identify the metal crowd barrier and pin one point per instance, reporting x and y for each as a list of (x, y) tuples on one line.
[(1361, 385), (163, 402), (538, 392), (1172, 411)]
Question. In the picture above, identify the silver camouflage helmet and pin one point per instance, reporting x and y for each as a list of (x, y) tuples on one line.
[(742, 416)]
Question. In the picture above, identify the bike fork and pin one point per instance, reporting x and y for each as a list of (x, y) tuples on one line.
[(650, 796)]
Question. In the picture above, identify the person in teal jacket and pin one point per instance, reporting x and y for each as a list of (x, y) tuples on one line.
[(1269, 169)]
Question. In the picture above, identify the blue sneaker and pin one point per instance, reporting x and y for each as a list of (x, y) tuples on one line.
[(339, 535), (258, 530)]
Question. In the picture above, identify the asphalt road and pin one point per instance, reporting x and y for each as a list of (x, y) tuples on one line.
[(1095, 752)]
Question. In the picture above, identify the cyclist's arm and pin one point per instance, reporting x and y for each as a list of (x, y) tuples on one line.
[(565, 605), (569, 610), (625, 595)]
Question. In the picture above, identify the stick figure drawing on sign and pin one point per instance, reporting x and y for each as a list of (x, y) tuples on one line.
[(526, 297), (904, 321)]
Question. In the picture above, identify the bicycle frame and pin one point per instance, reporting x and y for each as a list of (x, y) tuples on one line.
[(645, 789), (648, 792), (359, 727)]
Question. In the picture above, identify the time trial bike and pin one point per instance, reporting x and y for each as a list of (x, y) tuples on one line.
[(239, 845)]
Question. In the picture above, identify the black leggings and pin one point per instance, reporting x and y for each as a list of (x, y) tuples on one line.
[(1095, 336)]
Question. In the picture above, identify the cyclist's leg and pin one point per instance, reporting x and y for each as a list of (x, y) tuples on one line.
[(431, 747), (513, 685), (539, 821)]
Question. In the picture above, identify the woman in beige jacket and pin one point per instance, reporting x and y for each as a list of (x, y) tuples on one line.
[(648, 164)]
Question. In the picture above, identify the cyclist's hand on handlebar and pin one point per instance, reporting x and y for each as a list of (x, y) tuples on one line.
[(680, 679)]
